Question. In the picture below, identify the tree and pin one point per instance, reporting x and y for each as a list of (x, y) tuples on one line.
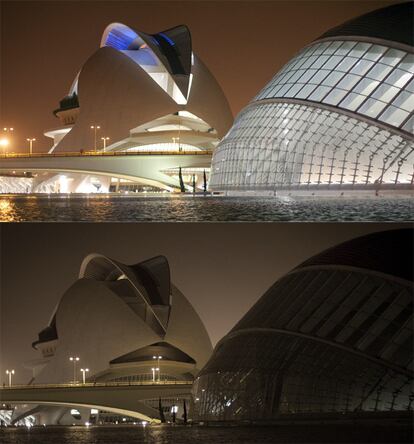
[(161, 412), (180, 176), (185, 412), (205, 181)]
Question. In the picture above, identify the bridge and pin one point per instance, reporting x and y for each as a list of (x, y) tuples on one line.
[(125, 399), (145, 167)]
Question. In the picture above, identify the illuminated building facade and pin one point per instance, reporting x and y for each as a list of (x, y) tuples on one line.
[(142, 94), (338, 116)]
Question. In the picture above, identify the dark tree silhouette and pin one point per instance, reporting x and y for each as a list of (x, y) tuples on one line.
[(205, 181), (180, 175), (161, 412), (185, 412)]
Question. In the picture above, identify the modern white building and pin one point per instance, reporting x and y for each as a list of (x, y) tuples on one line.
[(141, 94), (125, 324), (337, 117)]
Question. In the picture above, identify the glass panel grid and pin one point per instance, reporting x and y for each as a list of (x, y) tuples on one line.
[(282, 145), (261, 374), (360, 70)]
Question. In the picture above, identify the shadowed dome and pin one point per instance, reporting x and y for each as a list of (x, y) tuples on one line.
[(389, 252), (324, 338), (394, 23)]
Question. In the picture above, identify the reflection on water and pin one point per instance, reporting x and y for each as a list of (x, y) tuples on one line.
[(176, 208), (208, 435), (7, 213)]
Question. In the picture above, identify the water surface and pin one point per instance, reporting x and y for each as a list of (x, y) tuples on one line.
[(177, 208), (205, 435)]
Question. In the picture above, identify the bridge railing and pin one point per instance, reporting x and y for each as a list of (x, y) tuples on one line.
[(106, 154), (96, 384)]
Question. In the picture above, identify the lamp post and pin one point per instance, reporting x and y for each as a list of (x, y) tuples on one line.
[(158, 365), (104, 140), (31, 145), (74, 359), (10, 373), (4, 142), (154, 369), (84, 370), (176, 141), (95, 129)]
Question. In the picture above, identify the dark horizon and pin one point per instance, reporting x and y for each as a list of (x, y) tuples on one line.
[(45, 43)]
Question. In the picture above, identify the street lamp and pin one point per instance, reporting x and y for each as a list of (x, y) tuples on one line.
[(154, 369), (74, 359), (104, 142), (10, 373), (158, 364), (4, 142), (95, 129), (31, 145), (84, 370)]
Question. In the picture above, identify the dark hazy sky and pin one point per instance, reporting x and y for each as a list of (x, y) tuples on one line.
[(221, 268), (244, 43)]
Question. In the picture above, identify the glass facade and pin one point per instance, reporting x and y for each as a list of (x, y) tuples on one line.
[(369, 79), (340, 114), (285, 145), (323, 339)]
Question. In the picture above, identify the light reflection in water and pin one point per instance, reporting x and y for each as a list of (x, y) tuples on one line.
[(8, 211)]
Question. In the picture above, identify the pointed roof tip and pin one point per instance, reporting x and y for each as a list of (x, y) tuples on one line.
[(154, 274), (173, 47)]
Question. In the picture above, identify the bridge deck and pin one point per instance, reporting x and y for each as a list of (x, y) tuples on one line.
[(107, 154)]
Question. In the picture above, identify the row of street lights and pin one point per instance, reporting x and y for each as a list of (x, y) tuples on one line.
[(10, 373), (5, 142), (96, 128), (157, 368), (76, 359)]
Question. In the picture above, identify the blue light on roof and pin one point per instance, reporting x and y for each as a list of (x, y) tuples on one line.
[(165, 37), (120, 37)]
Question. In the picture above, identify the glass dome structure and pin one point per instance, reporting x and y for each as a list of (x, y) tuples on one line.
[(333, 336), (339, 115)]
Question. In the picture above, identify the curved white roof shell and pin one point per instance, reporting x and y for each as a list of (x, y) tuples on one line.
[(114, 309), (135, 78)]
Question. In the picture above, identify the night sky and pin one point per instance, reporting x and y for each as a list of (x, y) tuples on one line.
[(221, 268), (244, 43)]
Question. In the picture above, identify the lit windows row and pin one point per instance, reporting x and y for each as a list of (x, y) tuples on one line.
[(369, 79)]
